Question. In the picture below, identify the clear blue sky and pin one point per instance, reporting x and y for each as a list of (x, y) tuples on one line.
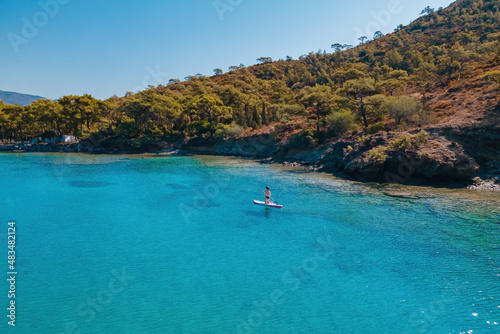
[(106, 47)]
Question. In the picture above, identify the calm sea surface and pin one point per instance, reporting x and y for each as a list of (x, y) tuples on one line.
[(121, 244)]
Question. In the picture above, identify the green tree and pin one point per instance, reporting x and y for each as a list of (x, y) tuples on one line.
[(16, 125), (28, 119), (395, 82), (263, 60), (394, 59), (427, 11), (79, 110), (348, 72), (70, 114), (377, 34), (257, 119), (264, 115), (360, 88), (340, 122), (458, 57), (108, 110), (89, 111), (493, 76), (151, 110), (4, 120), (362, 39), (337, 47), (402, 107), (209, 111), (126, 127), (320, 99), (48, 114)]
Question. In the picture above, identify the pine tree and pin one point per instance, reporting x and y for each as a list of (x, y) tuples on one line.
[(248, 116), (257, 120), (265, 119)]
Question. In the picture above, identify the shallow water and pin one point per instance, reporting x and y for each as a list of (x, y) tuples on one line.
[(128, 244)]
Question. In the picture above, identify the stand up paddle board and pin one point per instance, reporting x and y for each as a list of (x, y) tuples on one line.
[(271, 205)]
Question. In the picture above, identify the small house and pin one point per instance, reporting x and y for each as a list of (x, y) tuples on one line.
[(68, 139)]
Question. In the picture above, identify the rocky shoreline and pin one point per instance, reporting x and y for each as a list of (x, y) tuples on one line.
[(451, 157), (480, 184), (49, 148)]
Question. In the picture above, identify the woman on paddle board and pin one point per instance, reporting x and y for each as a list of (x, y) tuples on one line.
[(268, 194), (268, 203)]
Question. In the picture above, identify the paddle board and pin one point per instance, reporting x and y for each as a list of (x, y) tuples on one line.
[(271, 205)]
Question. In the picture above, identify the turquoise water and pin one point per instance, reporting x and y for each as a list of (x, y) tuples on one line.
[(117, 244)]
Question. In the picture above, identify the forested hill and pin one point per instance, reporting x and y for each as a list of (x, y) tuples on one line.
[(443, 68), (18, 98)]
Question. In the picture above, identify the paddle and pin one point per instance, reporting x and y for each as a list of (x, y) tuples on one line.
[(275, 201)]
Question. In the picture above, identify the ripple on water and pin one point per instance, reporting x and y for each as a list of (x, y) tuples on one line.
[(347, 257)]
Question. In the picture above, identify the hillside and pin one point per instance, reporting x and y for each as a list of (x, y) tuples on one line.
[(357, 111), (18, 98)]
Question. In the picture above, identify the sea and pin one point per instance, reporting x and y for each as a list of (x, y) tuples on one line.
[(174, 244)]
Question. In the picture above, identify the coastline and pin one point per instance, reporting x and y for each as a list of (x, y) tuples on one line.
[(330, 158)]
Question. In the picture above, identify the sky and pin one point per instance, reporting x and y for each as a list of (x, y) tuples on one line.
[(54, 48)]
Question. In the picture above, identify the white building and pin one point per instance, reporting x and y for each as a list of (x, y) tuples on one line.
[(68, 139)]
